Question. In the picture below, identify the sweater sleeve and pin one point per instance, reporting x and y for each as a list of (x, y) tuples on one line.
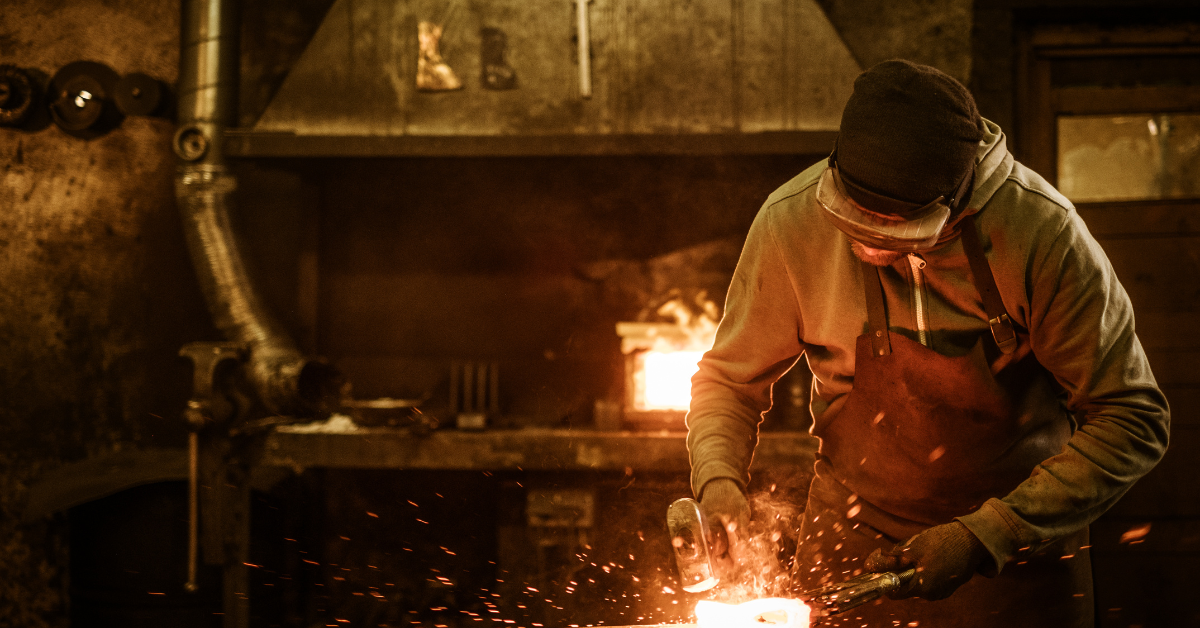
[(757, 342), (1081, 328)]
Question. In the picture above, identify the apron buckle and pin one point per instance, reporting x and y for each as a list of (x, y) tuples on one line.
[(1002, 331)]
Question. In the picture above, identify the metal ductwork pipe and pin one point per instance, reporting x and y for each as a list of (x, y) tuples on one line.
[(286, 381)]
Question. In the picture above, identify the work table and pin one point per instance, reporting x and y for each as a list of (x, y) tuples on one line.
[(529, 449)]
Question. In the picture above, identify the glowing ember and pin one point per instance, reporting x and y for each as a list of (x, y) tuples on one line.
[(1135, 534), (771, 611)]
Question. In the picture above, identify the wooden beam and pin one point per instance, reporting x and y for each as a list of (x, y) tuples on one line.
[(1120, 100), (258, 144)]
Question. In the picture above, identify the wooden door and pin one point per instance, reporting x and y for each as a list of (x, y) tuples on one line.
[(1112, 118)]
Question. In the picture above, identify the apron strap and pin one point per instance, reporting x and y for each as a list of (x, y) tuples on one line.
[(881, 341), (985, 283)]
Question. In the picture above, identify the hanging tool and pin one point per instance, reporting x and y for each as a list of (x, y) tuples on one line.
[(584, 40)]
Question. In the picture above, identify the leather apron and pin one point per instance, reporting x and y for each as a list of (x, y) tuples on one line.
[(923, 438)]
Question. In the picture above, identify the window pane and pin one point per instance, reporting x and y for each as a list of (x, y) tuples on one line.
[(1129, 157)]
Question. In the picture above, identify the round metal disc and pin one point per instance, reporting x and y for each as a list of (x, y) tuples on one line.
[(138, 94), (78, 104), (16, 95), (80, 94)]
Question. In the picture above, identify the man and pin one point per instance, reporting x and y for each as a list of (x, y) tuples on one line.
[(979, 393)]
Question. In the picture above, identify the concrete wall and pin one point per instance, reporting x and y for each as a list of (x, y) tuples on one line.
[(96, 292)]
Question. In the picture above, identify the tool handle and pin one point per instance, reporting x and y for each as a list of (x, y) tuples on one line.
[(833, 599), (193, 510)]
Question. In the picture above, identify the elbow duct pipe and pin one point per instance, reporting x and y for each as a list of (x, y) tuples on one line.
[(286, 382)]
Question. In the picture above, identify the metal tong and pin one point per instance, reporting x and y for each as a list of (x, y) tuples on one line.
[(840, 597)]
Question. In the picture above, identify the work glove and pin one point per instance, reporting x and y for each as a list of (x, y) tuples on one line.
[(723, 502), (726, 509), (945, 557)]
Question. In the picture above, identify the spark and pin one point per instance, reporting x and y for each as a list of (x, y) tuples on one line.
[(854, 510), (371, 514), (878, 418), (1136, 534)]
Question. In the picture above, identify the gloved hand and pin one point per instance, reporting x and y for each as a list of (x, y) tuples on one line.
[(725, 505), (723, 501), (945, 557)]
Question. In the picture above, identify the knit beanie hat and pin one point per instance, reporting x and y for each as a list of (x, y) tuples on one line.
[(909, 132)]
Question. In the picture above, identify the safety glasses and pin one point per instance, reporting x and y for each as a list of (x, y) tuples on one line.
[(917, 230)]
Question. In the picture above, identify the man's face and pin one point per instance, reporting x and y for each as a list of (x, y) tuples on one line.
[(875, 257), (871, 255)]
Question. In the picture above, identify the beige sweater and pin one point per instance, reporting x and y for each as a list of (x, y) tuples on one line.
[(798, 291)]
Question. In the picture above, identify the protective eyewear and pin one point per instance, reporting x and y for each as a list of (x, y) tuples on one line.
[(917, 230)]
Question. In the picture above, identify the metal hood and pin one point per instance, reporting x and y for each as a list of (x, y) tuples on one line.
[(669, 67)]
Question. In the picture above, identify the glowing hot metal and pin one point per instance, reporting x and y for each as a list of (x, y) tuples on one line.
[(773, 611)]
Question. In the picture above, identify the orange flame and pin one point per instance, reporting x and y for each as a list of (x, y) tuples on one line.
[(667, 355)]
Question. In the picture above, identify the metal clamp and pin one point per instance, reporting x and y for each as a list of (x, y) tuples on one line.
[(205, 357)]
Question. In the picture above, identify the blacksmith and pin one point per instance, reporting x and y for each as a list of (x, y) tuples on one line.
[(980, 395)]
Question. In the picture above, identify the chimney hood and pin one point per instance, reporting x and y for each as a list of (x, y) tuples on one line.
[(707, 76)]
